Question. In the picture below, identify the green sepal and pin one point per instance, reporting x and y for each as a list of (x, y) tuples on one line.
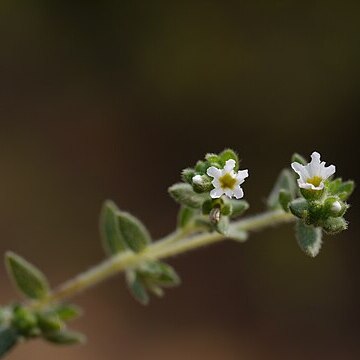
[(285, 181), (109, 229), (238, 207), (65, 337), (67, 312), (159, 273), (309, 238), (8, 339), (185, 195), (299, 207), (228, 154), (133, 233), (136, 287), (237, 235), (185, 216), (27, 278), (187, 175), (312, 195), (299, 159), (334, 225)]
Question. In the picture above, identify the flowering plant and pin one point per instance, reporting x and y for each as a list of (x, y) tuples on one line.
[(210, 198)]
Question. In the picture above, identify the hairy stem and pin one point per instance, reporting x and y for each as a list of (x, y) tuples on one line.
[(173, 244)]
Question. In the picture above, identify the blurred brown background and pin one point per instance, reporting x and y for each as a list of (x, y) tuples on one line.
[(111, 99)]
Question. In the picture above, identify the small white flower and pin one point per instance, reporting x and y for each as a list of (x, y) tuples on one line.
[(227, 181), (313, 175)]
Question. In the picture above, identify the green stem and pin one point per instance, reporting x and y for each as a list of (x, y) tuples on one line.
[(173, 244)]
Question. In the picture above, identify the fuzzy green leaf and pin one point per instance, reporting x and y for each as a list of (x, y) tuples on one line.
[(133, 233), (67, 312), (237, 235), (28, 279), (185, 195), (185, 216), (299, 159), (8, 339), (285, 181), (238, 207), (136, 287), (109, 229), (159, 273), (309, 238), (65, 337)]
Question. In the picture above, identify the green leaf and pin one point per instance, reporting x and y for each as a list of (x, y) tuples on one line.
[(299, 159), (133, 233), (285, 181), (137, 287), (185, 216), (185, 195), (309, 238), (109, 229), (228, 154), (67, 312), (340, 188), (284, 199), (222, 226), (28, 279), (49, 323), (65, 337), (238, 207), (159, 273), (8, 339), (237, 235)]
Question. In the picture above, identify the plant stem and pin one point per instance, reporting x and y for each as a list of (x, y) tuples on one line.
[(173, 244)]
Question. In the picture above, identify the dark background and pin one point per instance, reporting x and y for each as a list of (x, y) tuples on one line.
[(111, 99)]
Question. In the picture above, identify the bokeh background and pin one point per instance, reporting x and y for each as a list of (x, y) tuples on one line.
[(111, 99)]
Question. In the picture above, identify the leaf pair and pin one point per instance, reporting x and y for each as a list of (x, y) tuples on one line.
[(151, 276), (121, 231)]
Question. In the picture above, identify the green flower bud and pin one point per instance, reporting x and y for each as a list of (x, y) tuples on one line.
[(334, 207), (334, 225), (201, 183)]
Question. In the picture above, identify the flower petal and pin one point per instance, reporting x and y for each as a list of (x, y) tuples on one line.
[(213, 172), (328, 171), (238, 192), (229, 193), (216, 193), (229, 165), (242, 175)]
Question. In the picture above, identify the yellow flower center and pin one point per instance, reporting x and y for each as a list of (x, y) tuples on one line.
[(316, 180), (227, 181)]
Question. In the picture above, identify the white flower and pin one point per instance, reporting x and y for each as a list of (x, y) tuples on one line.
[(313, 175), (227, 181)]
